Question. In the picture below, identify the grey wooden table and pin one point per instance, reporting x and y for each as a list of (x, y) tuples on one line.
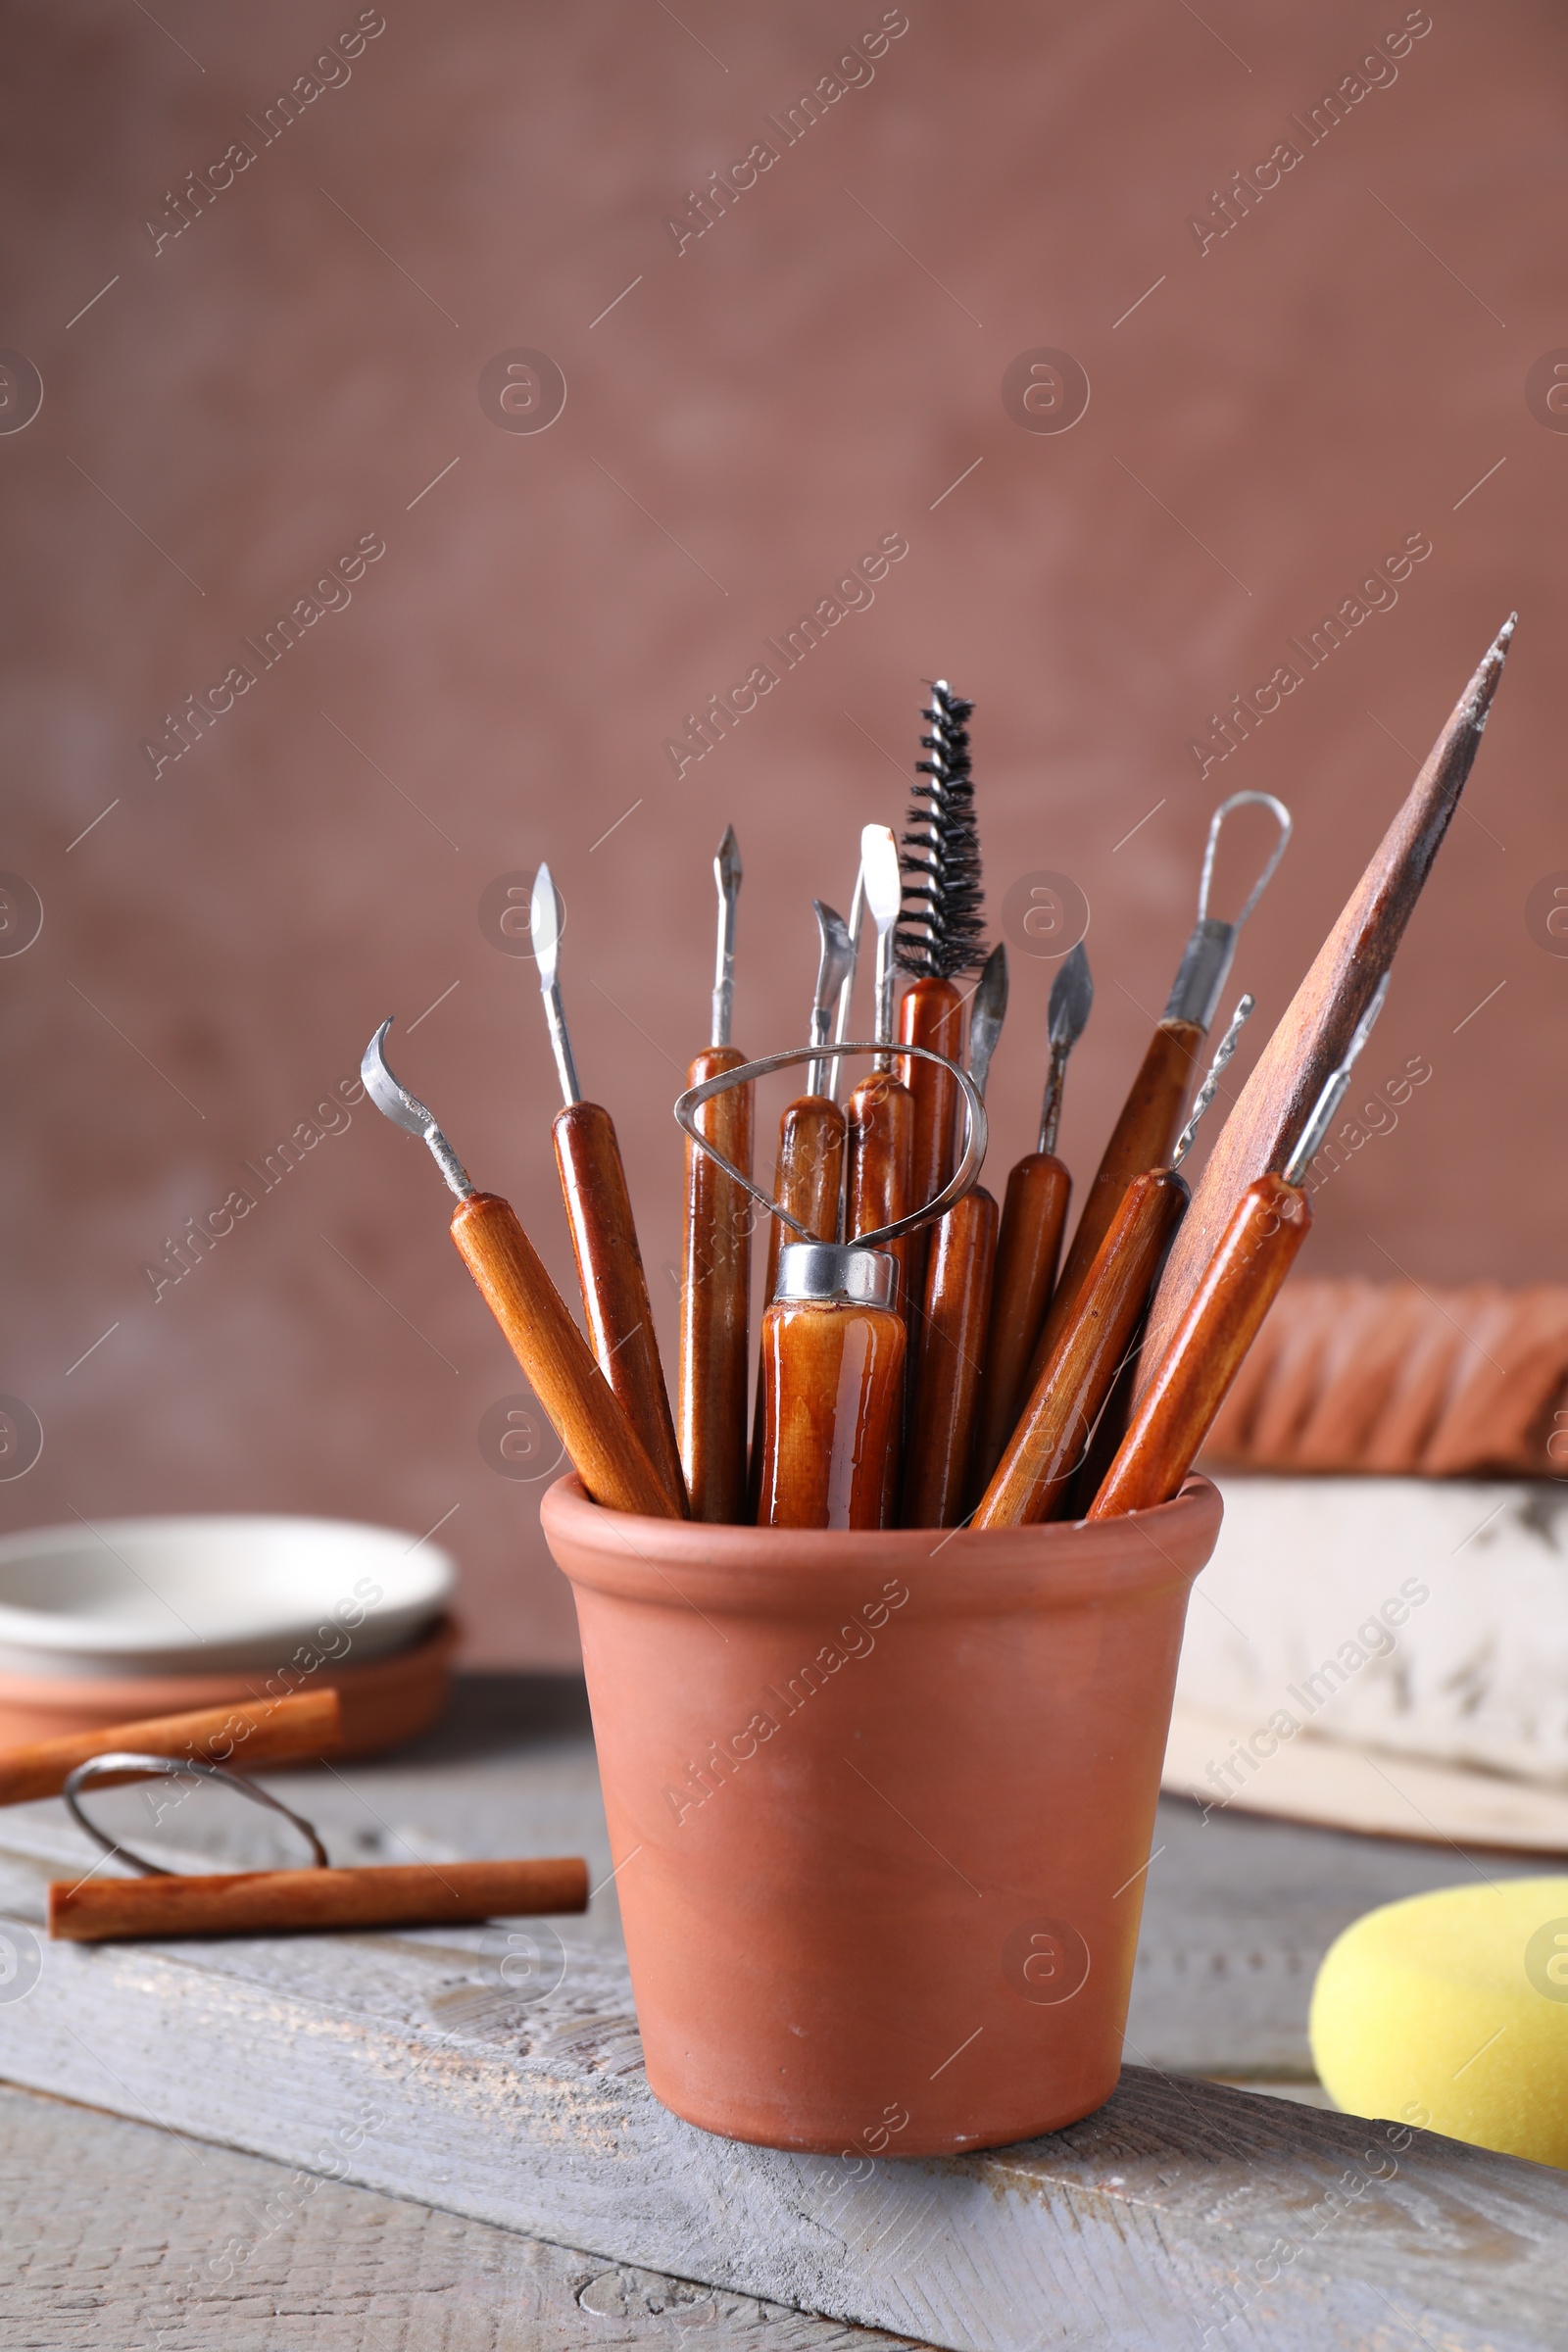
[(108, 2222)]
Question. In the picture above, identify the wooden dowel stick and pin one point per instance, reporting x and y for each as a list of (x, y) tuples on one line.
[(241, 1736), (1223, 1317), (588, 1417), (277, 1902)]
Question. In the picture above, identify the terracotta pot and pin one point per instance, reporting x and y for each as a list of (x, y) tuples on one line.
[(880, 1805), (385, 1700)]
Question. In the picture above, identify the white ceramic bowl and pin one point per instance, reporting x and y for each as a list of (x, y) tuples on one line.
[(193, 1596)]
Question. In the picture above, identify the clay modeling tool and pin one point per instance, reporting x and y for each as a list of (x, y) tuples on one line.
[(1033, 1216), (1111, 1425), (266, 1732), (958, 1311), (880, 1139), (937, 939), (809, 1175), (1310, 1042), (1035, 1474), (604, 1233), (587, 1416), (1224, 1314), (1146, 1130), (269, 1902), (833, 1343), (716, 1272)]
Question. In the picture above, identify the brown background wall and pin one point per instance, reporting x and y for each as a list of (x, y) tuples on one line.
[(815, 371)]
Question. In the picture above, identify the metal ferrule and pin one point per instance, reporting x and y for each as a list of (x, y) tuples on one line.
[(1204, 968), (836, 1272), (820, 1075)]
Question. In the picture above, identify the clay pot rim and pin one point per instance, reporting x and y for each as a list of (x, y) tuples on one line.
[(749, 1571)]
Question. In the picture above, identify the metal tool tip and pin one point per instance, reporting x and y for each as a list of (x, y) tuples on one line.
[(991, 992), (544, 925), (389, 1095), (880, 863), (1072, 995), (727, 868)]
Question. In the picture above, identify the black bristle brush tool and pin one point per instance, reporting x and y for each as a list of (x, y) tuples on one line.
[(940, 936)]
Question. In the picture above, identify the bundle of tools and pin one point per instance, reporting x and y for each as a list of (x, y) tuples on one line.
[(922, 1362)]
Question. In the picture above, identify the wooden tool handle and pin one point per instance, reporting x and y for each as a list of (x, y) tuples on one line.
[(958, 1307), (1028, 1246), (714, 1298), (808, 1175), (1256, 1251), (881, 1151), (808, 1181), (606, 1451), (1141, 1138), (614, 1288), (276, 1902), (244, 1736), (1035, 1470), (930, 1013), (832, 1389)]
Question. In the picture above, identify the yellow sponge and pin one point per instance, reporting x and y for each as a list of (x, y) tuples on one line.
[(1450, 2012)]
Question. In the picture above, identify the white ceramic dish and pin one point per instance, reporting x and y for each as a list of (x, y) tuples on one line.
[(212, 1595)]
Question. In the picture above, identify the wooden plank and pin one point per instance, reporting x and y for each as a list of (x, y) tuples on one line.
[(1181, 2214), (112, 2235), (1342, 1785)]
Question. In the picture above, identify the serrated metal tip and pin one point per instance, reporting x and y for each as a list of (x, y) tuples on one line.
[(1072, 996)]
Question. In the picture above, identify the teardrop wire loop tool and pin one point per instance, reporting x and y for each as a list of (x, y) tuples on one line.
[(1151, 1114), (119, 1765), (584, 1411), (833, 1343)]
